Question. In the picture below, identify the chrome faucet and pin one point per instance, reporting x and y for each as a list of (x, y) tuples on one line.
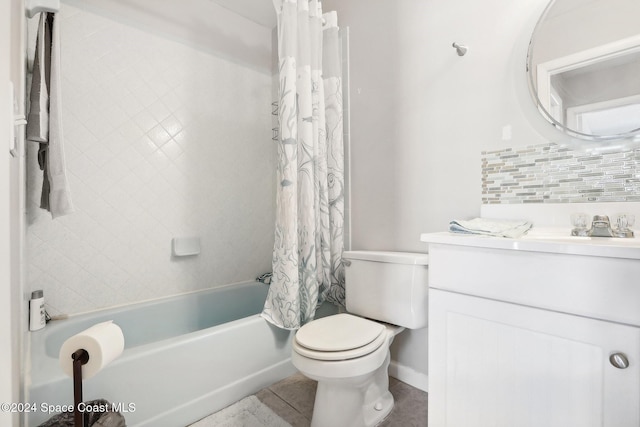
[(601, 227)]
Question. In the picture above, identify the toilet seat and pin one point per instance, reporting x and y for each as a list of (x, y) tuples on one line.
[(339, 337)]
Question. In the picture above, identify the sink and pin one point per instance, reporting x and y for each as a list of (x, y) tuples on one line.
[(562, 235), (546, 240)]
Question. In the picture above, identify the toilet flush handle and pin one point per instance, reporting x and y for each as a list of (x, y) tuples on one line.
[(346, 262)]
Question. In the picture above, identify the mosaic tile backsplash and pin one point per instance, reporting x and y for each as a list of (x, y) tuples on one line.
[(549, 173)]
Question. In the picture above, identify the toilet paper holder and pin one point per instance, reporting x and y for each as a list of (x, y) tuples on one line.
[(90, 351), (80, 357)]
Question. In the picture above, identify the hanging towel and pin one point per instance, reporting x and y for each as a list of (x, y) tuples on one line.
[(44, 122), (490, 227), (38, 119)]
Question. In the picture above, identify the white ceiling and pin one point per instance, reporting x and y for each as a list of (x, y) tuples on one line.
[(258, 11)]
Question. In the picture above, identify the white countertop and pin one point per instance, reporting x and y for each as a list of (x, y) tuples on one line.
[(549, 240)]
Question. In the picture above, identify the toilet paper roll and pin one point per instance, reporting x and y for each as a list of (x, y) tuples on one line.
[(104, 342)]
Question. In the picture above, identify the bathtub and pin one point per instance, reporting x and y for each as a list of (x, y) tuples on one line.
[(184, 358)]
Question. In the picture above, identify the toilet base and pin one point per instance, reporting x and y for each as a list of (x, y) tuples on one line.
[(361, 401)]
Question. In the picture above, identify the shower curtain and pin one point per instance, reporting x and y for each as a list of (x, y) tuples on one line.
[(307, 255)]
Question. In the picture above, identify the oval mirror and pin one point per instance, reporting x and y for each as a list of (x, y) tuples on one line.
[(583, 66)]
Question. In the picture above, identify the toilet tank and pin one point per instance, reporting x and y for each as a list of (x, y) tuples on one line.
[(387, 286)]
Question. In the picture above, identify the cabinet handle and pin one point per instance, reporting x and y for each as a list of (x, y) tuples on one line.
[(619, 360)]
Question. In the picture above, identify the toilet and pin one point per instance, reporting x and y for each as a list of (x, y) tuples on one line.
[(348, 353)]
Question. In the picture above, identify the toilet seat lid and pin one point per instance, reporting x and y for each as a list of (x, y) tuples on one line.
[(340, 355), (339, 333)]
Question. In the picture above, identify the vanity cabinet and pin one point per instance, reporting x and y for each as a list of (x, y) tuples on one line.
[(500, 364), (540, 336)]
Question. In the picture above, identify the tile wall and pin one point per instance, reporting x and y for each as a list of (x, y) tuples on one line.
[(162, 140), (549, 173)]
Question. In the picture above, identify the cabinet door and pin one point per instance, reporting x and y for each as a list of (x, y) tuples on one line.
[(497, 364)]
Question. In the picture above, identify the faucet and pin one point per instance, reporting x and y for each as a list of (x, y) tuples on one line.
[(601, 227)]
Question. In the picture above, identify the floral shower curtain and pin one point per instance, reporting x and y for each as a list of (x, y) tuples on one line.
[(307, 255)]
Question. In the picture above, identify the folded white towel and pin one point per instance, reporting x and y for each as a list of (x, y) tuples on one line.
[(490, 227)]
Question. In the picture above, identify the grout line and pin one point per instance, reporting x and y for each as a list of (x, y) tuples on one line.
[(288, 404), (286, 414)]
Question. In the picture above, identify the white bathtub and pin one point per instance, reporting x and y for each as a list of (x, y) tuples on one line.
[(185, 357)]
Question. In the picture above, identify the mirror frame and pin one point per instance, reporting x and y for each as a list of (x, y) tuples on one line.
[(576, 139)]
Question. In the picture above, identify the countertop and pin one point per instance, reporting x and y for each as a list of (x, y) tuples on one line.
[(548, 240)]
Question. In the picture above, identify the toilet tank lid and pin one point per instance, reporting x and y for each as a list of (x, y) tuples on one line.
[(391, 257)]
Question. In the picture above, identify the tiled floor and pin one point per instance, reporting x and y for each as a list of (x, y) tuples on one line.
[(292, 399)]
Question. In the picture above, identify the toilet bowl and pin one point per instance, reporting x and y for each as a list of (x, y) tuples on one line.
[(353, 384), (349, 355)]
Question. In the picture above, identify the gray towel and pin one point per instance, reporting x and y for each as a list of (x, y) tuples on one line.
[(38, 118), (44, 122), (490, 227)]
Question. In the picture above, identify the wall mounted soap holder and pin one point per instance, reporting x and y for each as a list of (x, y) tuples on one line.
[(185, 246)]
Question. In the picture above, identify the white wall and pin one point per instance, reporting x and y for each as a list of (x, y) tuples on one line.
[(10, 298), (421, 115), (19, 296), (6, 366), (162, 140)]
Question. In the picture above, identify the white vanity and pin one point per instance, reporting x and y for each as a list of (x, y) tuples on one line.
[(544, 330), (540, 331)]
